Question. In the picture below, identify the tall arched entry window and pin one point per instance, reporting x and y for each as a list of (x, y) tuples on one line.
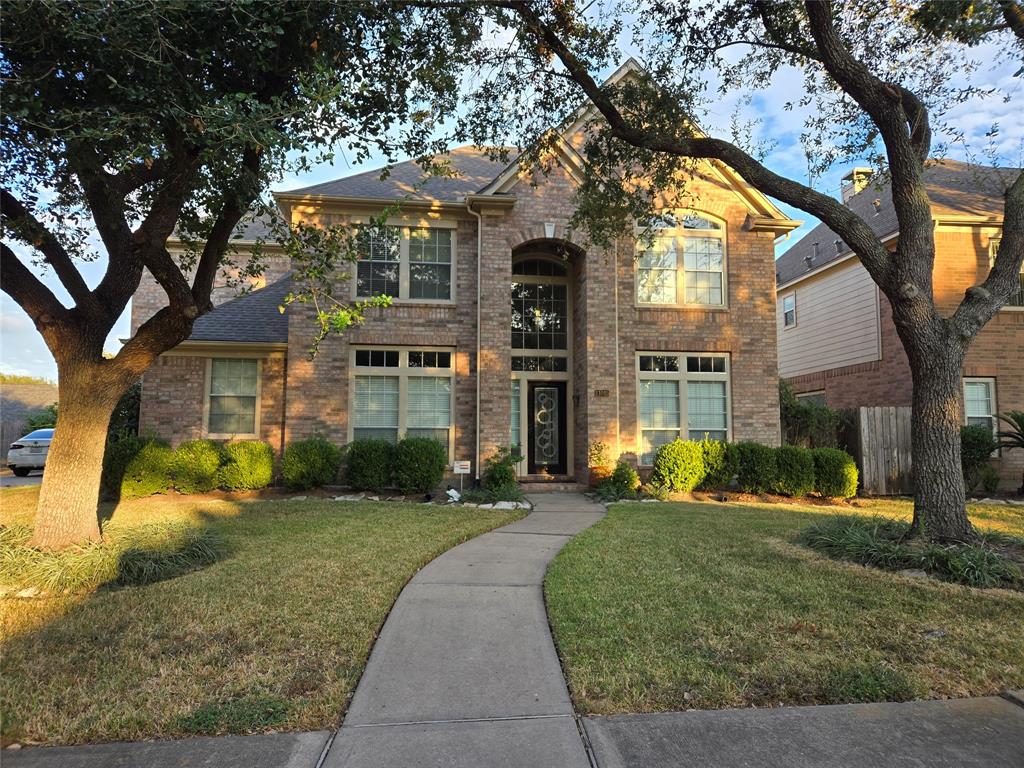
[(541, 342)]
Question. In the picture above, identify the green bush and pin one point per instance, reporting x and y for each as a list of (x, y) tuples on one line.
[(794, 471), (882, 543), (148, 471), (248, 466), (806, 423), (119, 452), (721, 463), (419, 464), (989, 478), (756, 472), (310, 463), (369, 464), (621, 484), (835, 473), (679, 465), (194, 466), (499, 470), (976, 446)]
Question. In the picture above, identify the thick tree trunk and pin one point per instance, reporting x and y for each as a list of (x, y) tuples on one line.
[(69, 497), (940, 512)]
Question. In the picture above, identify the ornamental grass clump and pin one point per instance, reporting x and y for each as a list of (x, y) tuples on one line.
[(141, 555)]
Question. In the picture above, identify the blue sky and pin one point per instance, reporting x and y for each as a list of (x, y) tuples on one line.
[(23, 351)]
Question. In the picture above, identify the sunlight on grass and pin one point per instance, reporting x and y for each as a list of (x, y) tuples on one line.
[(273, 636), (688, 605)]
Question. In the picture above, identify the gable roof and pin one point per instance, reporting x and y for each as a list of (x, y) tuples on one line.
[(473, 169), (254, 317), (955, 189)]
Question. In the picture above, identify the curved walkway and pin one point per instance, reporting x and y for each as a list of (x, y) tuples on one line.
[(464, 672)]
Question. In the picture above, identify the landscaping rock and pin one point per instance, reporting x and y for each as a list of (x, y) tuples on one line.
[(650, 501), (28, 593), (486, 506), (934, 634), (506, 505), (1016, 502), (358, 497), (298, 498)]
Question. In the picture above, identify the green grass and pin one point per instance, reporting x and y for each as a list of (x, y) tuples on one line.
[(273, 636), (690, 605)]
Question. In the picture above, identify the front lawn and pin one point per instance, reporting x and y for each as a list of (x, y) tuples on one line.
[(272, 636), (705, 605)]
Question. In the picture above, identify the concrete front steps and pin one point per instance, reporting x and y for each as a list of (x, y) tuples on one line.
[(550, 483)]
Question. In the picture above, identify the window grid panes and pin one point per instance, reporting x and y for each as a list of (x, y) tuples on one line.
[(659, 416), (539, 363), (430, 264), (659, 363), (430, 359), (656, 273), (540, 316), (539, 267), (377, 273), (515, 434), (702, 261), (376, 407), (233, 388), (706, 410), (428, 411), (377, 358), (979, 403)]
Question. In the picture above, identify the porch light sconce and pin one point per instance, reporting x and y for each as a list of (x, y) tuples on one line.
[(549, 229)]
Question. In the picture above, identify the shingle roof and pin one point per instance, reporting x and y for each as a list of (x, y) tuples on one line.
[(17, 401), (954, 188), (253, 318), (474, 170)]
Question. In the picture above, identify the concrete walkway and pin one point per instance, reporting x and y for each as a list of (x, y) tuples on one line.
[(464, 672)]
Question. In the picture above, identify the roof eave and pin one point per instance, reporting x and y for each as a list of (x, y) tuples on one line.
[(343, 200)]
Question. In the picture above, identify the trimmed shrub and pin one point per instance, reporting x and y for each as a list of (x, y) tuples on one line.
[(835, 473), (621, 484), (194, 466), (369, 464), (499, 470), (679, 465), (419, 464), (248, 466), (721, 463), (989, 478), (148, 471), (118, 454), (976, 446), (756, 472), (310, 463), (794, 471)]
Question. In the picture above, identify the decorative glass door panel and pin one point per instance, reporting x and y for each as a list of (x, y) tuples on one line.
[(546, 445)]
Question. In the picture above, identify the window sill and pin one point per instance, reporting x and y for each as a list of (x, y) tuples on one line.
[(229, 436), (685, 307), (414, 302)]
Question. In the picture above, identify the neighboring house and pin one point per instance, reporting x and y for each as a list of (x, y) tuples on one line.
[(17, 403), (837, 341), (507, 328)]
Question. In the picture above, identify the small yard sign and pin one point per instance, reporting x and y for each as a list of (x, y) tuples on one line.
[(461, 467)]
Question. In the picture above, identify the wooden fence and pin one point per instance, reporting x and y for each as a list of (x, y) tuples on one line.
[(10, 430), (881, 444)]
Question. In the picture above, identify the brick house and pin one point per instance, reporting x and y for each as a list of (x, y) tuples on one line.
[(837, 341), (507, 328)]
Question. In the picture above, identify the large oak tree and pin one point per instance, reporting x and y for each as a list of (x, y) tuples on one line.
[(877, 81), (138, 118)]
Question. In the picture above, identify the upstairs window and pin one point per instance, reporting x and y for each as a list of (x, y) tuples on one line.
[(1017, 298), (683, 263), (789, 310), (405, 263)]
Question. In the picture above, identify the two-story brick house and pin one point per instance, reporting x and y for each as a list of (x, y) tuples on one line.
[(506, 328), (837, 341)]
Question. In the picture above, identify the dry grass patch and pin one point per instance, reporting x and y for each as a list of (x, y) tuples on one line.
[(678, 606), (273, 636)]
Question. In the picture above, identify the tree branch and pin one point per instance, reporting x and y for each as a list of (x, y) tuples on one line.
[(27, 228), (850, 227), (29, 292), (1014, 15)]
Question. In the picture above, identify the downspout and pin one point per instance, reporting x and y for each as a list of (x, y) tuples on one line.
[(479, 251), (615, 278)]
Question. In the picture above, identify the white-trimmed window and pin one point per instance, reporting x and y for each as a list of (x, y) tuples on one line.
[(406, 263), (980, 403), (683, 263), (399, 391), (681, 395), (515, 435), (789, 310), (233, 397), (813, 398), (1016, 299)]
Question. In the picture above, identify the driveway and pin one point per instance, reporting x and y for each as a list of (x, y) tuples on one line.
[(8, 480)]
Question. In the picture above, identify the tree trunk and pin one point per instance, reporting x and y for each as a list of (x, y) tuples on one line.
[(940, 511), (69, 497)]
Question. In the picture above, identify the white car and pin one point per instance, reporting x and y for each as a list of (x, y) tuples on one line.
[(29, 452)]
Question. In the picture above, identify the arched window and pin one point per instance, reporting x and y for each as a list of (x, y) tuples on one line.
[(681, 260), (539, 267)]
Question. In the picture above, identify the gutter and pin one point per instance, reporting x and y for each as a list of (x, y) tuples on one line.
[(479, 250)]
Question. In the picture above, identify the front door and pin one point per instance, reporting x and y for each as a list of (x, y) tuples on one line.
[(546, 452)]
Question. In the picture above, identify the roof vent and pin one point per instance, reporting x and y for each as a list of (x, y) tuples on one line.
[(853, 182), (878, 205), (839, 245)]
